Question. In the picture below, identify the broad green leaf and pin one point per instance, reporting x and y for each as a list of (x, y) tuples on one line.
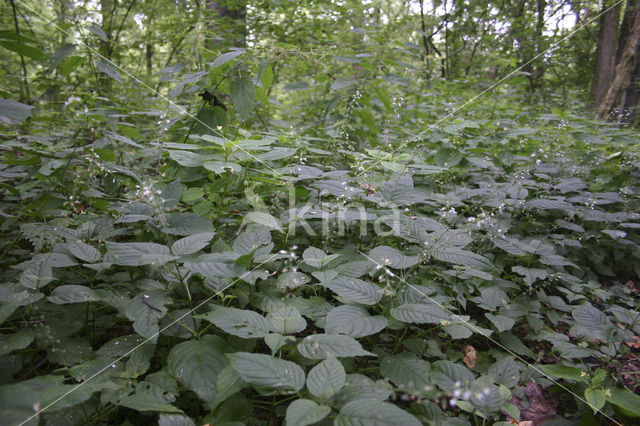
[(449, 376), (624, 399), (358, 386), (565, 372), (286, 320), (14, 112), (462, 257), (303, 412), (353, 321), (501, 322), (23, 49), (420, 313), (262, 218), (595, 398), (72, 294), (388, 256), (238, 322), (323, 346), (15, 341), (197, 363), (243, 93), (407, 372), (505, 371), (138, 254), (84, 251), (228, 383), (276, 341), (184, 224), (317, 258), (267, 371), (147, 402), (145, 310), (326, 379), (226, 57), (486, 397), (191, 244), (375, 413), (109, 69), (355, 290), (447, 157)]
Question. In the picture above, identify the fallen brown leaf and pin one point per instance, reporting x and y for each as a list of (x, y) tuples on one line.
[(470, 356), (539, 410), (635, 343)]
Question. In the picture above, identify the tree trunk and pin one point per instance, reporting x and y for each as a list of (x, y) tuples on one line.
[(624, 72), (606, 61), (228, 26), (629, 99)]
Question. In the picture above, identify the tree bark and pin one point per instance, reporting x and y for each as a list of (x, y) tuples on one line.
[(228, 26), (629, 99), (606, 61), (624, 72)]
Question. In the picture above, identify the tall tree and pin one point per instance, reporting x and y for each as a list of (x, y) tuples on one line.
[(228, 22), (605, 65), (624, 72)]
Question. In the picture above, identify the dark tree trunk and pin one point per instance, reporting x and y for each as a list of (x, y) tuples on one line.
[(606, 61), (624, 72), (629, 99), (228, 26)]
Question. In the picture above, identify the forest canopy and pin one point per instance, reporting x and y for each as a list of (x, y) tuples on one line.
[(389, 212)]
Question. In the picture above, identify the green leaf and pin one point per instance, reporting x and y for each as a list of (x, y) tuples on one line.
[(447, 157), (353, 321), (147, 402), (326, 379), (627, 401), (228, 383), (501, 322), (286, 320), (145, 309), (72, 294), (355, 290), (505, 371), (323, 346), (23, 49), (138, 254), (109, 69), (238, 322), (485, 396), (375, 413), (212, 266), (226, 57), (462, 257), (14, 112), (420, 313), (84, 251), (407, 372), (267, 371), (595, 398), (303, 412), (389, 256), (243, 93), (449, 376), (18, 340), (565, 372), (197, 363), (317, 258), (191, 244), (69, 65), (262, 218)]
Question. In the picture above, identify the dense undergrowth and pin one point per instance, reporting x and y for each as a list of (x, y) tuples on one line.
[(320, 275)]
